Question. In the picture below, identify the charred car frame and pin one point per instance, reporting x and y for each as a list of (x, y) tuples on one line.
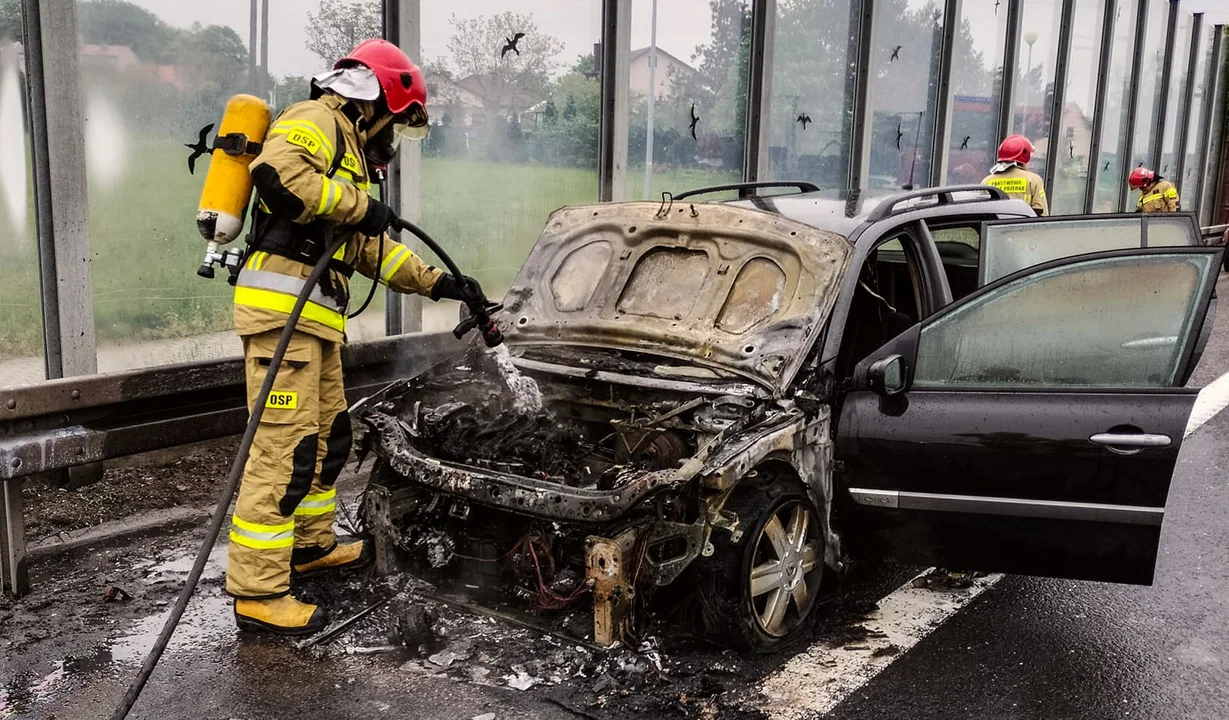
[(720, 382)]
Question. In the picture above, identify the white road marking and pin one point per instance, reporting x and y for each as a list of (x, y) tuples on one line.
[(815, 681), (1213, 398)]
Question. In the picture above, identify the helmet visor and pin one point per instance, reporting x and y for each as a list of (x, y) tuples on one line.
[(412, 124)]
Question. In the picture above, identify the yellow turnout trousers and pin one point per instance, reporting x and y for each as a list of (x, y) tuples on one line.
[(287, 500)]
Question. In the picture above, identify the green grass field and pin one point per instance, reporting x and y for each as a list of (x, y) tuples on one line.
[(146, 250)]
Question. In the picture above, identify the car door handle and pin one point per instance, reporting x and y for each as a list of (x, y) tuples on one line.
[(1130, 443)]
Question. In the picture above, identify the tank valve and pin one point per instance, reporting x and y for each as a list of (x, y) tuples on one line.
[(231, 259)]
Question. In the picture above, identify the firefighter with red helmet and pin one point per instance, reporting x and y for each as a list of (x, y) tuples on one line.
[(1010, 176), (1156, 194), (311, 180)]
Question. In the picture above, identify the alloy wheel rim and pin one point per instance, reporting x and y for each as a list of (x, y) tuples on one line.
[(786, 569)]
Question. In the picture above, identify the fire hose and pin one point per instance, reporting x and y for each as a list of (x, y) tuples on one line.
[(480, 310)]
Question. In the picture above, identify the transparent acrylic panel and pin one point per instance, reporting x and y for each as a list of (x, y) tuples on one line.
[(810, 116), (905, 64), (1114, 141), (977, 68), (1034, 88), (700, 59), (1170, 146), (1071, 326), (1075, 125), (21, 325), (513, 137), (153, 74), (1152, 64), (1188, 184)]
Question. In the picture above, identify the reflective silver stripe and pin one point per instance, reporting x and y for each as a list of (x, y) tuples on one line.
[(287, 285), (1013, 507), (390, 265)]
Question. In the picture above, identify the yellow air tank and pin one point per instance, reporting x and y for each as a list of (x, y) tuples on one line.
[(228, 186)]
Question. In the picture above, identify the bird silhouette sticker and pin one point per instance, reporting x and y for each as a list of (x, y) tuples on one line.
[(1071, 150), (200, 148), (510, 44), (996, 6), (899, 134), (965, 145), (1105, 167), (895, 53), (694, 119), (804, 119)]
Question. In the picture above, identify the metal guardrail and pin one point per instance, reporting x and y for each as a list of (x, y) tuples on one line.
[(82, 420), (1213, 235)]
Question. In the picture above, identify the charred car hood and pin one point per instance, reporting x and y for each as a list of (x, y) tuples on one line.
[(729, 288)]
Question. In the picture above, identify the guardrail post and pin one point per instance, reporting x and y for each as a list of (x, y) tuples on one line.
[(1167, 73), (16, 578), (403, 27), (759, 90), (1210, 164), (1183, 127), (613, 117), (1059, 100), (862, 68)]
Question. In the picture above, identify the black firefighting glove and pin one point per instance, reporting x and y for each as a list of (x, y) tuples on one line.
[(466, 289), (378, 219)]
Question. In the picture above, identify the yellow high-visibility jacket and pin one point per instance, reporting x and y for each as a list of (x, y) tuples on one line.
[(1021, 184), (1160, 196), (291, 180)]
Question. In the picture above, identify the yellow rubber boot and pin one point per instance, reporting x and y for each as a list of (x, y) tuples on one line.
[(281, 616), (341, 556)]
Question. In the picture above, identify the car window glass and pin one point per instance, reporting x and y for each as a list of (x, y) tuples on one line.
[(1169, 232), (887, 301), (1085, 324), (963, 235), (1015, 246)]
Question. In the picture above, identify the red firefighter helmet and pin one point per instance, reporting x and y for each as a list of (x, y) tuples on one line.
[(1141, 177), (1016, 148), (405, 91)]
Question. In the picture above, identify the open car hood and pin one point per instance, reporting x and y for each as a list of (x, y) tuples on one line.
[(728, 288)]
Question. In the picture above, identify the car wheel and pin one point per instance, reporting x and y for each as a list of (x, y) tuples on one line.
[(759, 592)]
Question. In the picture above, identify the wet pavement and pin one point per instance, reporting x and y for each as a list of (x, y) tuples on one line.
[(1025, 648)]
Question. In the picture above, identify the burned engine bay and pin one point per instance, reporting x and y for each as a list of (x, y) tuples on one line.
[(592, 490)]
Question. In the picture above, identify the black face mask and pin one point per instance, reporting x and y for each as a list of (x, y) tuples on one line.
[(382, 147)]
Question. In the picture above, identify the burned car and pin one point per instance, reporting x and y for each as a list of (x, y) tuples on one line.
[(725, 403)]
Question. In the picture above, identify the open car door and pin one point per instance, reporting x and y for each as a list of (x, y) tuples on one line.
[(1032, 427)]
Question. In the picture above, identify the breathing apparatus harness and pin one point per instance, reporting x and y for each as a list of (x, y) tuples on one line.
[(480, 311)]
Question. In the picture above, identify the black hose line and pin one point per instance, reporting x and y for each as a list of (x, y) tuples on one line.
[(478, 307)]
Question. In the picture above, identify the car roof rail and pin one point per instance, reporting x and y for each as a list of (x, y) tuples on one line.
[(945, 195), (745, 189)]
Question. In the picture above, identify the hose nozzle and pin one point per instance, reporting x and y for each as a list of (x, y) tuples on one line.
[(480, 319)]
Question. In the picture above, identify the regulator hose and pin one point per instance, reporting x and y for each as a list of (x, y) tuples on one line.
[(478, 307)]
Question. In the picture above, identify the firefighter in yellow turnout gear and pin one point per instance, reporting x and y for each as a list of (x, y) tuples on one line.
[(1156, 194), (1010, 175), (311, 181)]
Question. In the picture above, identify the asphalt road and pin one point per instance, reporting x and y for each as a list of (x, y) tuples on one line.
[(1024, 648)]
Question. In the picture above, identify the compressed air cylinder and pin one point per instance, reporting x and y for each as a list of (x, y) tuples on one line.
[(228, 186)]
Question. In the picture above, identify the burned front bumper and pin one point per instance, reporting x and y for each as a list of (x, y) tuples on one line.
[(524, 495)]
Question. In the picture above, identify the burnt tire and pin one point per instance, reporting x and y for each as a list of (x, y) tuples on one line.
[(743, 584)]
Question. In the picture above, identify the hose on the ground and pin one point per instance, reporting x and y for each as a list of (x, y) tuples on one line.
[(245, 447)]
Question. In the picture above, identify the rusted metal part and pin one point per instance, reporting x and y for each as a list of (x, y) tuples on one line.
[(530, 496), (378, 517), (686, 540), (607, 574)]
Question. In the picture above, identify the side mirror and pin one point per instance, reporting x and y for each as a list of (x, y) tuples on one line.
[(886, 377)]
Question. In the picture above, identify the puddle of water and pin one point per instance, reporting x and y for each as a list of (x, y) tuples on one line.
[(208, 618), (177, 568), (526, 397)]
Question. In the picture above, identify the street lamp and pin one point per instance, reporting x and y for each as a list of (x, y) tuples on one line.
[(1030, 37)]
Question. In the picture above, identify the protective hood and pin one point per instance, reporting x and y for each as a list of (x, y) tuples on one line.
[(728, 288), (353, 83), (1003, 167)]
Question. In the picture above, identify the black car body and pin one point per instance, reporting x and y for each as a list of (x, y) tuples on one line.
[(747, 395)]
